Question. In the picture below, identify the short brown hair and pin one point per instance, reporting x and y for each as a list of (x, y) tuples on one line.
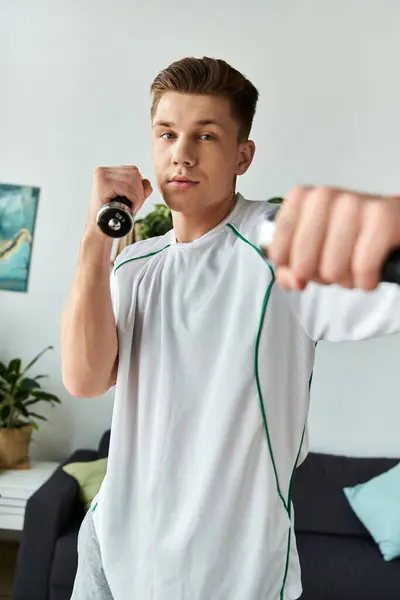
[(210, 76)]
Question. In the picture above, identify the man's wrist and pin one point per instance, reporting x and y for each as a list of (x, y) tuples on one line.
[(97, 244)]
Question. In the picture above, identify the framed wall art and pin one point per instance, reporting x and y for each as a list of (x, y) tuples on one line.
[(18, 209)]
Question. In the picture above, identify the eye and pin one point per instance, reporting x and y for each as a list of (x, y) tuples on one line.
[(164, 136), (207, 137)]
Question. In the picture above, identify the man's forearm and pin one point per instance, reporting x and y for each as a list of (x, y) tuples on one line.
[(89, 343)]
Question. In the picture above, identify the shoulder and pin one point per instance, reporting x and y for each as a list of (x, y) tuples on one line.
[(140, 251), (249, 216)]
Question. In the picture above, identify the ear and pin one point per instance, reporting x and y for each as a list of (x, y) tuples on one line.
[(246, 151)]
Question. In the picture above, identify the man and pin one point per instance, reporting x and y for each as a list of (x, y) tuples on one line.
[(211, 349)]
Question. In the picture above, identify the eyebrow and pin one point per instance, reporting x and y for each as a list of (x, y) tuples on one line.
[(202, 123)]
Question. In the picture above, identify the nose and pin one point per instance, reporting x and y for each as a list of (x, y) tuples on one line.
[(183, 153)]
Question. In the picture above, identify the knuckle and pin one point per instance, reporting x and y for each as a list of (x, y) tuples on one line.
[(300, 189), (348, 201), (323, 192), (379, 215), (296, 193), (332, 273), (99, 173), (303, 271), (321, 197), (366, 279), (362, 271), (133, 172), (303, 267)]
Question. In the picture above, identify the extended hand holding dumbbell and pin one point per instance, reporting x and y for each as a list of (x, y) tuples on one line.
[(390, 271)]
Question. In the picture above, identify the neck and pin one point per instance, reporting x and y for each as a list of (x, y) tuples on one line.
[(191, 226)]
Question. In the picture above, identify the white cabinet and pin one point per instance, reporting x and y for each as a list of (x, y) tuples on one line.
[(16, 487)]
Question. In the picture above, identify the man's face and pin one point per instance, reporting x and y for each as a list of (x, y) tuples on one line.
[(196, 138)]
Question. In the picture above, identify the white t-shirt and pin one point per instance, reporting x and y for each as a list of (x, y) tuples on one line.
[(211, 406)]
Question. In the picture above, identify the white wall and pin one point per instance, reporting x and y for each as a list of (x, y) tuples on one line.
[(74, 93)]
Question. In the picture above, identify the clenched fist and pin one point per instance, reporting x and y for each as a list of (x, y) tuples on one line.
[(110, 182), (334, 236)]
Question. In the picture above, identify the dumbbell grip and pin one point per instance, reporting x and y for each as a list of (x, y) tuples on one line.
[(391, 267), (123, 200)]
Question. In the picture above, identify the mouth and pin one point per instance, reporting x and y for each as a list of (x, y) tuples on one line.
[(182, 183)]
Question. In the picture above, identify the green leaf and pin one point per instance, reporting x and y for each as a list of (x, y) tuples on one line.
[(22, 395), (29, 384), (36, 416), (32, 401), (41, 377), (14, 366), (35, 426), (3, 370), (276, 200), (13, 380), (36, 359), (40, 394), (4, 413), (8, 396), (21, 408)]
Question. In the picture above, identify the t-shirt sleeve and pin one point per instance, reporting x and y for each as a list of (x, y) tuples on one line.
[(114, 293), (115, 283), (334, 314)]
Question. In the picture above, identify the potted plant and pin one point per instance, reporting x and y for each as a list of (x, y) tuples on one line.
[(18, 394), (157, 222)]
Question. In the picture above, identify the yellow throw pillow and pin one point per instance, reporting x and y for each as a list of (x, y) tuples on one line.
[(89, 476)]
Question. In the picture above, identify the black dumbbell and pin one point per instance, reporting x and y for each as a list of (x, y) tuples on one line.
[(115, 219)]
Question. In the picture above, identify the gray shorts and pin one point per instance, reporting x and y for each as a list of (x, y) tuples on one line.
[(90, 582)]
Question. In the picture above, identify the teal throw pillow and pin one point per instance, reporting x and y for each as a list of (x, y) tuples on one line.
[(377, 504)]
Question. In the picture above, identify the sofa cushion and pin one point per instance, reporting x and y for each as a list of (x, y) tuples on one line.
[(89, 476), (335, 567), (376, 503), (319, 502)]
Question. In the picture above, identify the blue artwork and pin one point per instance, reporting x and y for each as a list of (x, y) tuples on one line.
[(18, 208)]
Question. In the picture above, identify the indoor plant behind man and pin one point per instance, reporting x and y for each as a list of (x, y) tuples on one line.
[(208, 423)]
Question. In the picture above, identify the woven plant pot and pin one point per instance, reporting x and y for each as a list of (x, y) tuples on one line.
[(14, 447)]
